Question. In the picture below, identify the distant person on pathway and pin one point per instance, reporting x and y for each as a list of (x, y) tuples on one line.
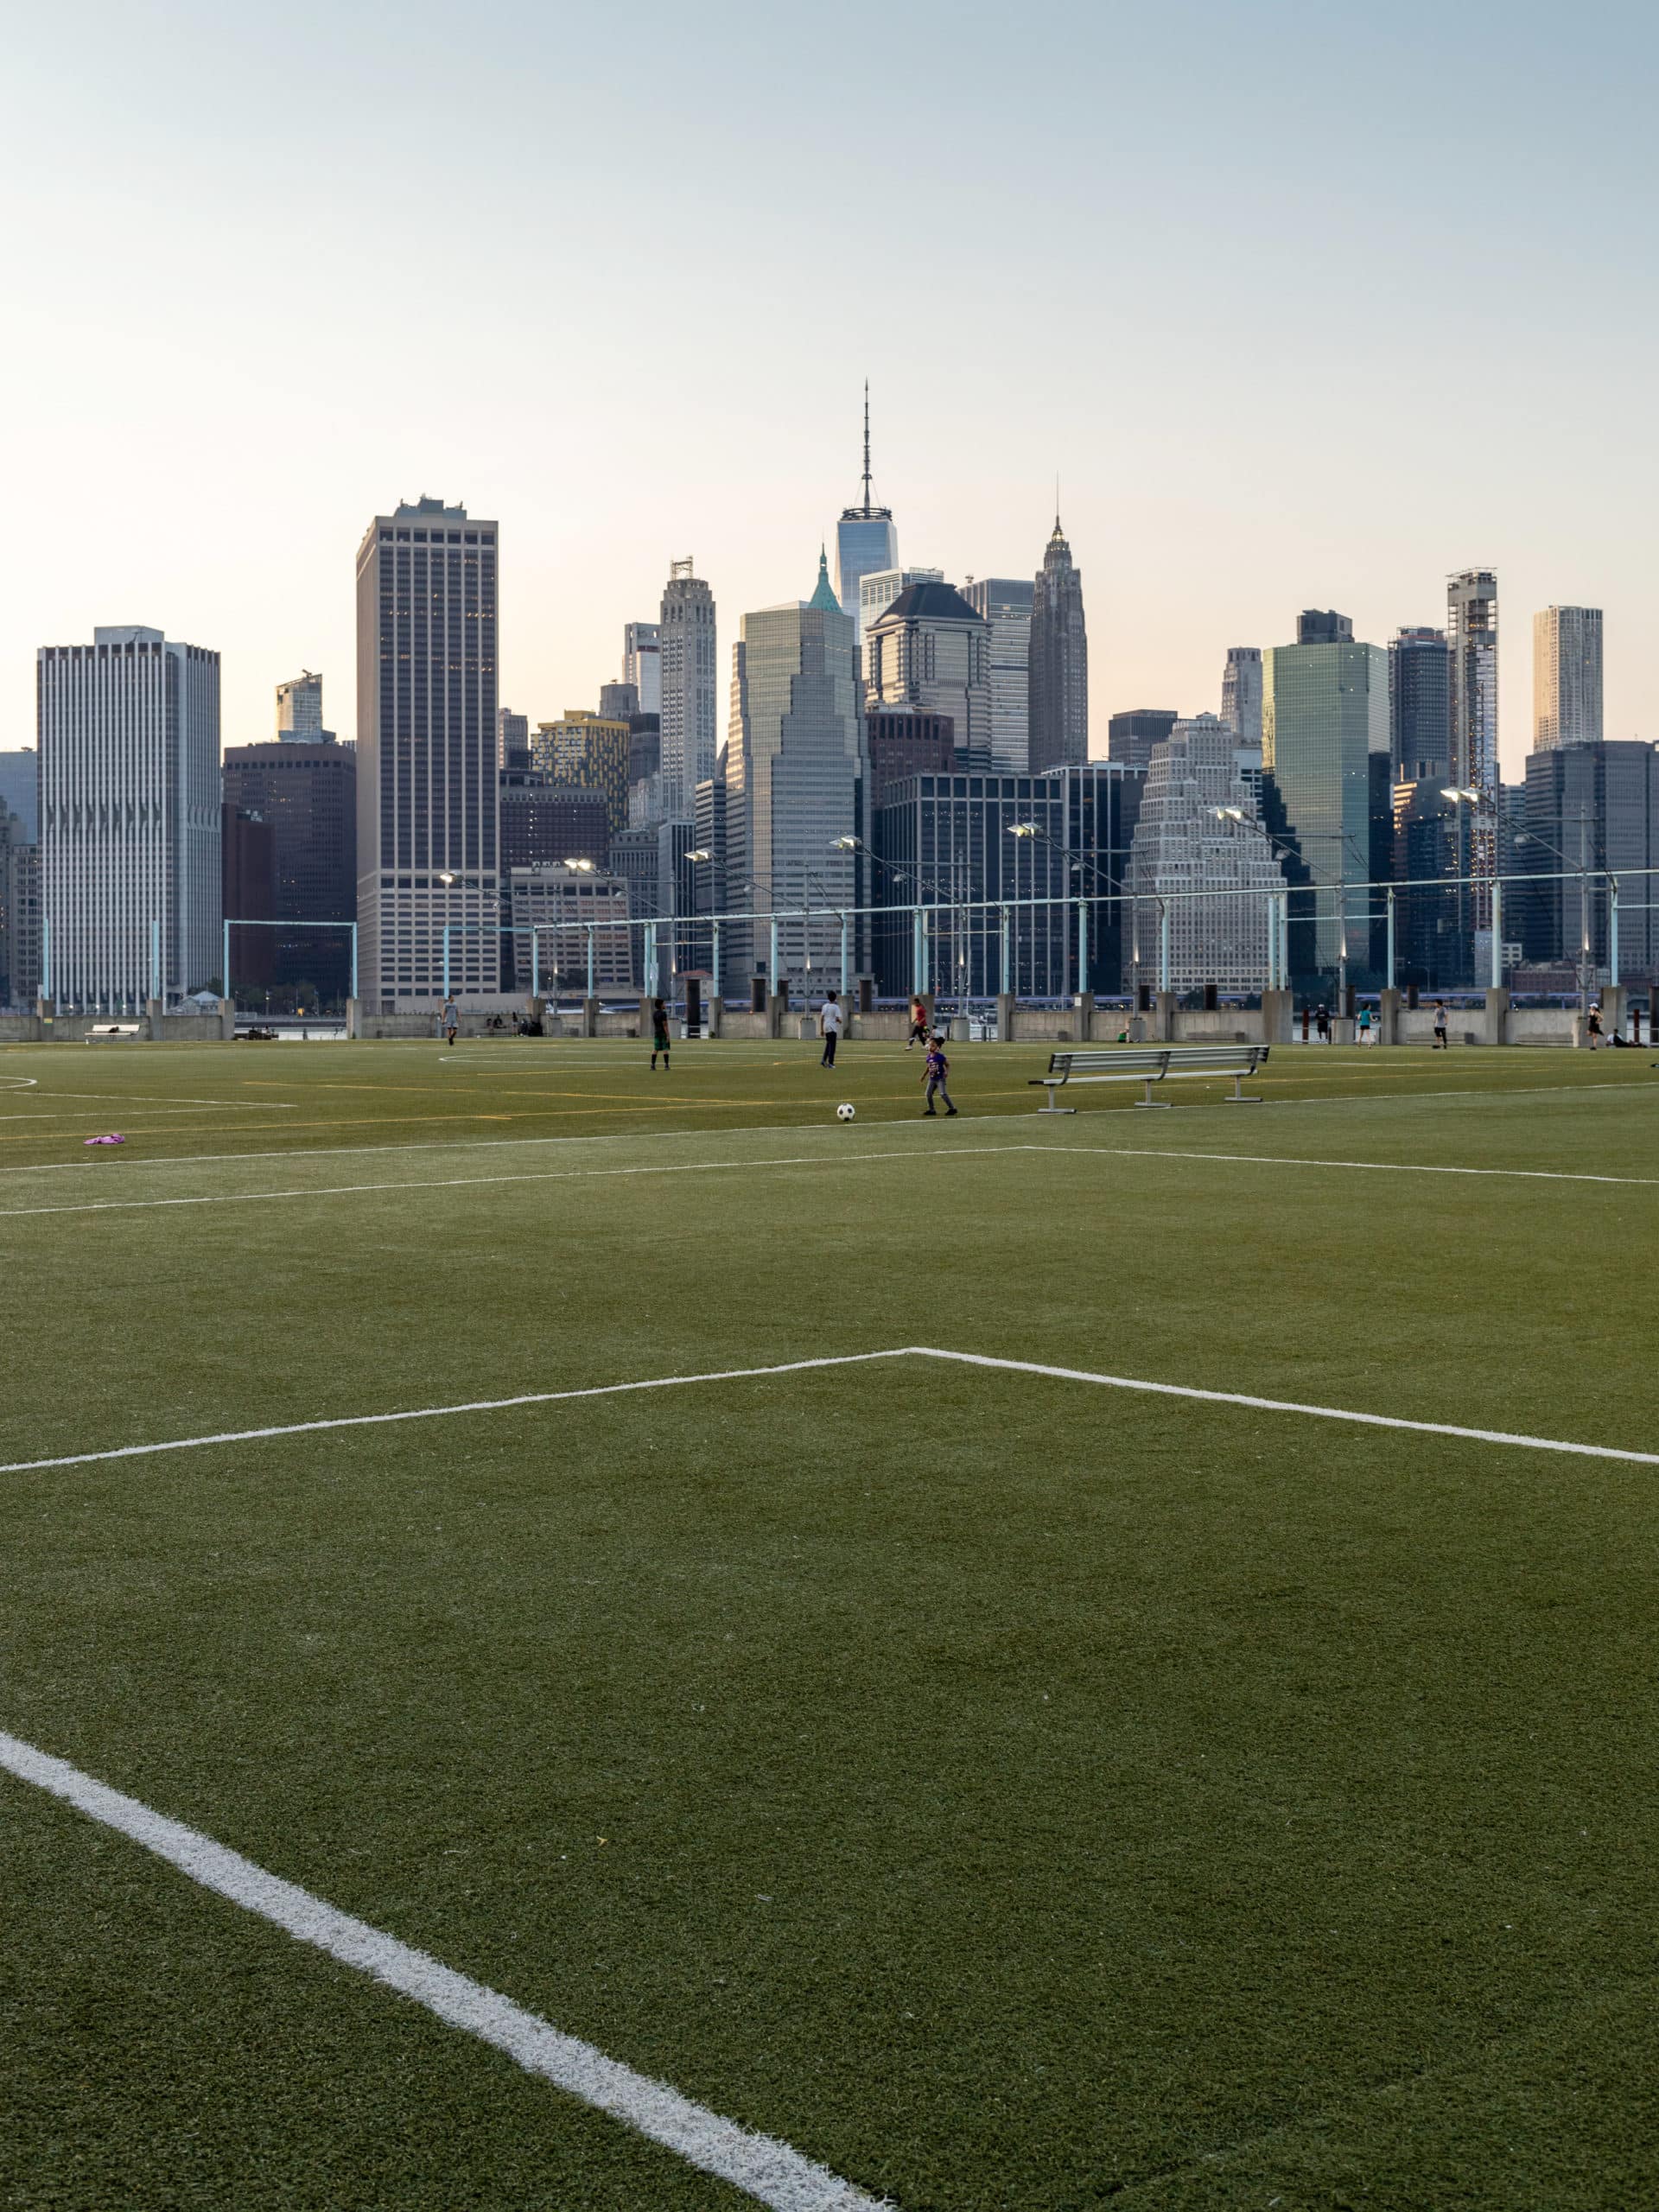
[(1593, 1027), (1439, 1027), (1322, 1022), (830, 1018), (658, 1034), (935, 1069), (451, 1021), (917, 1023), (1365, 1035)]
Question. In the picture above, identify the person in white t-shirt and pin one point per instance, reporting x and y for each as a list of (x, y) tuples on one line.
[(829, 1020)]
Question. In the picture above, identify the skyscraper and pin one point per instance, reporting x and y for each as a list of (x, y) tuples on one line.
[(307, 795), (1472, 633), (512, 739), (1059, 662), (1325, 711), (794, 771), (689, 729), (20, 790), (1004, 602), (1566, 676), (865, 541), (299, 709), (930, 650), (1132, 734), (642, 663), (1596, 803), (1184, 844), (427, 738), (130, 817), (877, 589), (1419, 707), (1241, 693), (590, 751)]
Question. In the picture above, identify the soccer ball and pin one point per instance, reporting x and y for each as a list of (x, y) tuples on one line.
[(843, 1113)]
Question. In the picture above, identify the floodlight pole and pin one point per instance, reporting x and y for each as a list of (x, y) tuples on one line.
[(1083, 944), (535, 962), (1006, 987), (846, 975), (447, 928), (155, 959), (589, 927), (353, 927), (713, 956), (1497, 934), (225, 960), (772, 958), (1163, 945), (1612, 932), (1390, 959)]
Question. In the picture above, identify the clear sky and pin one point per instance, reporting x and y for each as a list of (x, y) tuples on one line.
[(1307, 305)]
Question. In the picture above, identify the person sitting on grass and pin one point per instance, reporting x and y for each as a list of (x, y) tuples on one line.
[(935, 1069)]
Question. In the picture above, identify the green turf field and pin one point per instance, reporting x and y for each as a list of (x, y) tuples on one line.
[(1007, 1790)]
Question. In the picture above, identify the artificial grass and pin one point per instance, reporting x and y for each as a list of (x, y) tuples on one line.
[(1012, 1792)]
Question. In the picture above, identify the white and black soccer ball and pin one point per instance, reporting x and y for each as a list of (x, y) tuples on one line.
[(843, 1113)]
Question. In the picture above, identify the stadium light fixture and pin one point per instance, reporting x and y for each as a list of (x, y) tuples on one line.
[(699, 856), (1228, 813), (1459, 795), (579, 868), (1022, 828)]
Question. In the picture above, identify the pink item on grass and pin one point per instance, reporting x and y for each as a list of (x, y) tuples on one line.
[(109, 1139)]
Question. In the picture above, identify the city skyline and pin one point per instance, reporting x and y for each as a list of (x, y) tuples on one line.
[(605, 462)]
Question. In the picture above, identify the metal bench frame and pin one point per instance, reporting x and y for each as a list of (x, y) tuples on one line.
[(1149, 1063)]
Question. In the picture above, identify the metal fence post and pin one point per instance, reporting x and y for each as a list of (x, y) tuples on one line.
[(535, 964), (447, 928), (353, 927), (1082, 946), (1497, 934), (846, 975), (1163, 944), (1006, 985), (225, 961), (589, 928), (713, 962), (772, 958)]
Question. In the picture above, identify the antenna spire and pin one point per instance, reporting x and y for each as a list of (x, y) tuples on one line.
[(866, 445)]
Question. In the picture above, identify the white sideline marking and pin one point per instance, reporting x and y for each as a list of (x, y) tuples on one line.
[(1284, 1406), (760, 2165), (435, 1413), (530, 1175), (1371, 1166), (855, 1359), (781, 1128)]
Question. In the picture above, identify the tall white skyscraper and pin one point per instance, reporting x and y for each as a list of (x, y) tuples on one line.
[(1240, 694), (1184, 844), (428, 793), (1005, 603), (1566, 677), (688, 727), (1471, 634), (642, 663), (129, 820), (866, 540), (876, 592), (793, 761), (299, 710)]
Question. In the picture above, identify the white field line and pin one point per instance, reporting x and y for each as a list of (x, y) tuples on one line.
[(855, 1359), (758, 2164), (529, 1175), (804, 1160), (1369, 1166), (1285, 1405), (758, 1129), (438, 1413)]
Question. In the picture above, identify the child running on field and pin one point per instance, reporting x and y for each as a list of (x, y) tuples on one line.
[(935, 1069)]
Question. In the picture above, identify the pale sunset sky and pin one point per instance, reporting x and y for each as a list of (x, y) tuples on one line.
[(1306, 305)]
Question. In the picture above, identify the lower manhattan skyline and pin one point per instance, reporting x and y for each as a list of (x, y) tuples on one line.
[(1220, 285)]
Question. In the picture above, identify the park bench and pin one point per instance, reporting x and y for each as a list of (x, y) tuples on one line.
[(105, 1030), (1150, 1064)]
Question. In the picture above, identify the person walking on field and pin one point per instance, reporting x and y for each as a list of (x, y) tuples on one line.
[(658, 1034), (1439, 1027), (1365, 1037), (1593, 1027), (917, 1023), (450, 1019), (829, 1028), (1322, 1023), (935, 1069)]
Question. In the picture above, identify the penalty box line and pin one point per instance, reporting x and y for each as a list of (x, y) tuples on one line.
[(763, 2167), (1136, 1384)]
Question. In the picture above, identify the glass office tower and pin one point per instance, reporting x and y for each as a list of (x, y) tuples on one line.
[(1325, 711)]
